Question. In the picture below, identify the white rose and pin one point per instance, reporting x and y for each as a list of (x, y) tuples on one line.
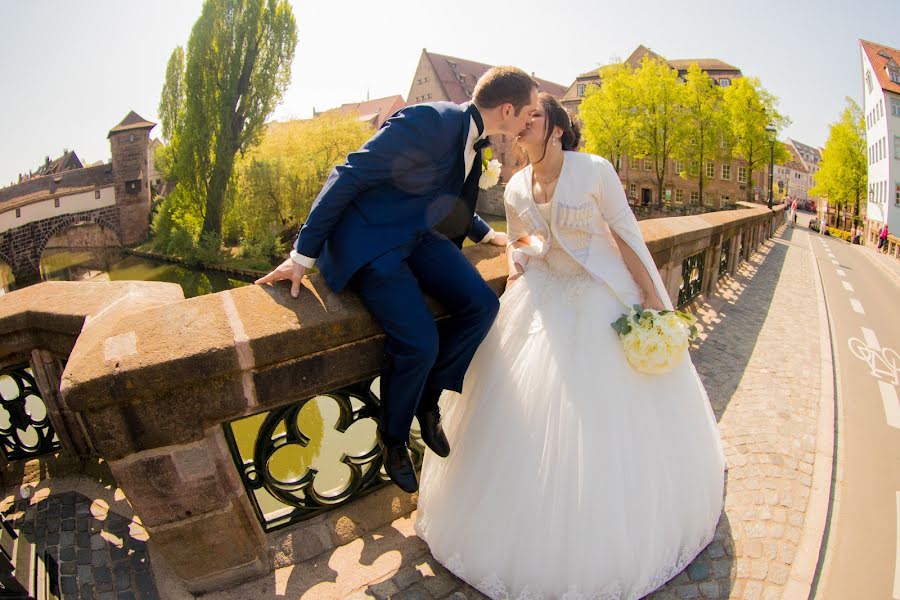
[(490, 176)]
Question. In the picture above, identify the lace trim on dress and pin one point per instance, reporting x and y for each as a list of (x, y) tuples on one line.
[(492, 586)]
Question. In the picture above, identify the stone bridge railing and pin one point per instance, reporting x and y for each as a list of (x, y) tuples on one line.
[(224, 418)]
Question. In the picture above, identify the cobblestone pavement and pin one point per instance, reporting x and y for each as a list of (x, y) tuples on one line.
[(101, 554), (759, 357)]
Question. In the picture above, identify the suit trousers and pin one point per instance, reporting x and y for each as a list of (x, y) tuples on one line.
[(419, 352)]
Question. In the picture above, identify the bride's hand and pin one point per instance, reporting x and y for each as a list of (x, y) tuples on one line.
[(513, 278)]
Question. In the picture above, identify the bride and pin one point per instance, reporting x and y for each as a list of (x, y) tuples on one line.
[(572, 475)]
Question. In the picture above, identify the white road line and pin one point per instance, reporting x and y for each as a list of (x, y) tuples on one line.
[(857, 306), (891, 404), (841, 273), (871, 339), (847, 286), (897, 559)]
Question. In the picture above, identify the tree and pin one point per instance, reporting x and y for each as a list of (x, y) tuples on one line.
[(237, 68), (660, 123), (278, 180), (606, 114), (844, 171), (749, 110), (171, 102), (705, 120)]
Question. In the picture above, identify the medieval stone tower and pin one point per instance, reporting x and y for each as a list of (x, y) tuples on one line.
[(130, 145)]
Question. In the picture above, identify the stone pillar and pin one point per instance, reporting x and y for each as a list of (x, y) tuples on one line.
[(193, 505), (48, 371)]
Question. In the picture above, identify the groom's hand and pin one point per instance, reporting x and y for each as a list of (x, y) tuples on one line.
[(500, 239), (287, 270)]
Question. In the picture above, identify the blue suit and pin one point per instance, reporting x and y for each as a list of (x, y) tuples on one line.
[(373, 227)]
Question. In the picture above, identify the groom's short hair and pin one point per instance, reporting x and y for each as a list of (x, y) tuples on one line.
[(501, 85)]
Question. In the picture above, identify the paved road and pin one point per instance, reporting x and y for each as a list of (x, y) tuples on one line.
[(861, 553)]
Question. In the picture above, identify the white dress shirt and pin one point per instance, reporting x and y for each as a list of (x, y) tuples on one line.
[(469, 156)]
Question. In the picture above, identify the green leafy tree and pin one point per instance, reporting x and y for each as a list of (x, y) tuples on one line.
[(607, 116), (277, 181), (237, 68), (749, 110), (844, 171), (660, 125), (705, 120)]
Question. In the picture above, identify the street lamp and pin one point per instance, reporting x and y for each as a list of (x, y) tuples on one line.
[(771, 131)]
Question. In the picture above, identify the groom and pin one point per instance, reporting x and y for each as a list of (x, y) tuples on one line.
[(381, 225)]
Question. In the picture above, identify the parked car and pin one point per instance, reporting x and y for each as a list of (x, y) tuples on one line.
[(814, 224)]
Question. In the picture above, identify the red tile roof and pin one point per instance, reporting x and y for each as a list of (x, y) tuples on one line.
[(53, 186), (679, 64), (132, 121), (875, 52), (458, 77), (375, 111)]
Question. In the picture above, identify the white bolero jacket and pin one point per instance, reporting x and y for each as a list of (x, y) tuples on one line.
[(588, 202)]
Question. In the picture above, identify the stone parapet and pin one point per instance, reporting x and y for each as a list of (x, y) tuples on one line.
[(152, 378)]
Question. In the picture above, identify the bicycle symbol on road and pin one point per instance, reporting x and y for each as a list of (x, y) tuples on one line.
[(884, 363)]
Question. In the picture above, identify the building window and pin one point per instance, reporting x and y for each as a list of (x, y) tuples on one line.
[(726, 172), (679, 196), (897, 194), (428, 96), (695, 168), (710, 169), (695, 197), (724, 199), (96, 194), (648, 164), (130, 137), (133, 186), (632, 191), (894, 74), (56, 203), (869, 81), (895, 107), (633, 163), (707, 199), (742, 174), (679, 166), (18, 212), (724, 82), (580, 90), (896, 146)]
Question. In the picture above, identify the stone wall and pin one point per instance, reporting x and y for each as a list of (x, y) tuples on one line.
[(151, 379), (84, 235)]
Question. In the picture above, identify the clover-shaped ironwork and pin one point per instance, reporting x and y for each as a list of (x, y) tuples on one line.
[(312, 455), (25, 429)]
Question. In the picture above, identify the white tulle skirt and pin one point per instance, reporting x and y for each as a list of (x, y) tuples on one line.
[(571, 475)]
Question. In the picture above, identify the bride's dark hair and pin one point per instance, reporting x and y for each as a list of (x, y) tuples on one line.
[(557, 116)]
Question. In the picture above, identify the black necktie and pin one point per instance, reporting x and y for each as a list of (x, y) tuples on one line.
[(481, 144)]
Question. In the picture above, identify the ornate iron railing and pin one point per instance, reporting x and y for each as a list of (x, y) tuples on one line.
[(691, 277), (25, 429), (321, 452), (723, 257)]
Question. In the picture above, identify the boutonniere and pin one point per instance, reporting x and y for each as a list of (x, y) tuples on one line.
[(490, 170)]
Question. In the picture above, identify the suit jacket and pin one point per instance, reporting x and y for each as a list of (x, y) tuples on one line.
[(403, 182), (588, 204)]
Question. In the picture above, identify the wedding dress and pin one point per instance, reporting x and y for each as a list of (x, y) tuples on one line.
[(571, 475)]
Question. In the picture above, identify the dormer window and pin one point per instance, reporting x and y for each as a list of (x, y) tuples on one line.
[(724, 82), (580, 89), (893, 70)]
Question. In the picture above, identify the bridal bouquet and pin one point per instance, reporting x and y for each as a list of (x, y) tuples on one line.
[(655, 341), (490, 170)]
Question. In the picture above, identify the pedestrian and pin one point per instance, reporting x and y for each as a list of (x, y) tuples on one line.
[(852, 234), (882, 239), (823, 226), (794, 212), (787, 212)]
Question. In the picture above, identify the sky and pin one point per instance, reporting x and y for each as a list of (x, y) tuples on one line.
[(72, 70)]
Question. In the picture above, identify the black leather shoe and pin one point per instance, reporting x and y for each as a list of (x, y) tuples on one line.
[(433, 433), (399, 467)]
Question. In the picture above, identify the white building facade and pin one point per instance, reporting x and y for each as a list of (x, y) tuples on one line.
[(881, 108)]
